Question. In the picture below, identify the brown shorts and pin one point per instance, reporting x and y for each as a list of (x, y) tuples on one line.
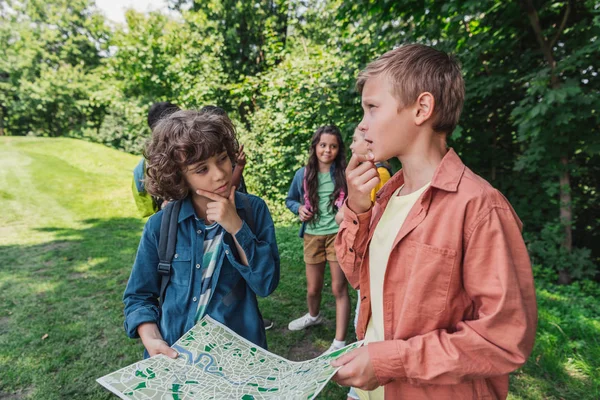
[(318, 248)]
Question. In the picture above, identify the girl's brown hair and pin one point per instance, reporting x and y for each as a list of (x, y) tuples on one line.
[(312, 170), (180, 140)]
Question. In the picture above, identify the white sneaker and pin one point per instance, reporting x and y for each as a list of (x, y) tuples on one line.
[(333, 348), (304, 322)]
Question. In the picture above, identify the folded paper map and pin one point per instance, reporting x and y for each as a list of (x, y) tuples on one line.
[(216, 363)]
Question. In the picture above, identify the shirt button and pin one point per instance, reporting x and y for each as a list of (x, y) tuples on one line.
[(199, 232), (197, 266), (176, 255), (226, 251), (351, 250), (195, 299), (355, 222)]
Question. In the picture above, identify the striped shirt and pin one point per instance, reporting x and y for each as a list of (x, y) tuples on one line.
[(212, 245)]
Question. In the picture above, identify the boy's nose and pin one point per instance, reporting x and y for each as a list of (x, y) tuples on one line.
[(220, 174), (362, 126)]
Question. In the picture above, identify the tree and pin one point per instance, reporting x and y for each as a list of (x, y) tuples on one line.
[(554, 118), (48, 49), (530, 118), (254, 36)]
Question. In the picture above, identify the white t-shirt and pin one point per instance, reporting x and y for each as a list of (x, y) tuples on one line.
[(387, 229)]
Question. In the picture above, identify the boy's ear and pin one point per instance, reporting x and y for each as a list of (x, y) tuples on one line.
[(424, 108)]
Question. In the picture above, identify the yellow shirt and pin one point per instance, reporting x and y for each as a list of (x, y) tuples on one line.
[(379, 252)]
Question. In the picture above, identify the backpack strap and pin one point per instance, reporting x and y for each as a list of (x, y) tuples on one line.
[(166, 244), (385, 165)]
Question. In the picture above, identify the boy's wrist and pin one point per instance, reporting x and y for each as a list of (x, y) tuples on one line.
[(148, 331), (359, 207), (236, 226)]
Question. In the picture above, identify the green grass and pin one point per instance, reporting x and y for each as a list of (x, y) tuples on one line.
[(68, 236)]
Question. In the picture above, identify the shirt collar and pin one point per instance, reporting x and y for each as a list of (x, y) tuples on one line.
[(446, 177)]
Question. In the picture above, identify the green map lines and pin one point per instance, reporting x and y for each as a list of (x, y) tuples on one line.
[(216, 363)]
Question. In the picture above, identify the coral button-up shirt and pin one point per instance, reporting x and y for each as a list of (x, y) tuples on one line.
[(458, 296)]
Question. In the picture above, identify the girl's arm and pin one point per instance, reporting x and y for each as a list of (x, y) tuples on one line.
[(294, 196), (240, 163), (236, 178)]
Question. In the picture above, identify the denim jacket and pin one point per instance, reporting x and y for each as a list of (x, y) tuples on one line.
[(232, 302), (295, 197)]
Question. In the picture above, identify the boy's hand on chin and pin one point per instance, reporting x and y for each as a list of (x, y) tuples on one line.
[(222, 210), (362, 177)]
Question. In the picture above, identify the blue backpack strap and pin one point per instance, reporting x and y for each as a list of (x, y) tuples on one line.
[(166, 244)]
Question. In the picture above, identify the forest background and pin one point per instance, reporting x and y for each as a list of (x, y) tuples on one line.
[(530, 126), (283, 67)]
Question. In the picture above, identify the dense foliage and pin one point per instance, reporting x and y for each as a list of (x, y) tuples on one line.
[(281, 68)]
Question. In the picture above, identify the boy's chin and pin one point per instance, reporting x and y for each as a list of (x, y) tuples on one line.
[(375, 154)]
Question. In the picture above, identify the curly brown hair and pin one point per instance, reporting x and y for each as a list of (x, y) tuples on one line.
[(180, 140)]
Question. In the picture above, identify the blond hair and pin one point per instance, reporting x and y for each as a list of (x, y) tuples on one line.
[(414, 69)]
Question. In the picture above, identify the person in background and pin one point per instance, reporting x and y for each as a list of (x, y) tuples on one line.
[(315, 195), (145, 203)]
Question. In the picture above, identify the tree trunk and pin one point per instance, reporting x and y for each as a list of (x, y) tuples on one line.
[(566, 211)]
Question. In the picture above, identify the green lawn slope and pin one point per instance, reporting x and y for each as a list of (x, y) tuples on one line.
[(68, 236)]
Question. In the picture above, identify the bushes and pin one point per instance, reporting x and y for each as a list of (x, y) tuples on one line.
[(560, 264), (281, 69), (291, 101)]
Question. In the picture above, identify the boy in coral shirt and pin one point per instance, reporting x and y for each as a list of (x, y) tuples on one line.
[(448, 305)]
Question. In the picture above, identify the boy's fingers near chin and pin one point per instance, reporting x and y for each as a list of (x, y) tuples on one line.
[(353, 162), (358, 158), (366, 167), (370, 184), (361, 169), (213, 205), (208, 194)]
